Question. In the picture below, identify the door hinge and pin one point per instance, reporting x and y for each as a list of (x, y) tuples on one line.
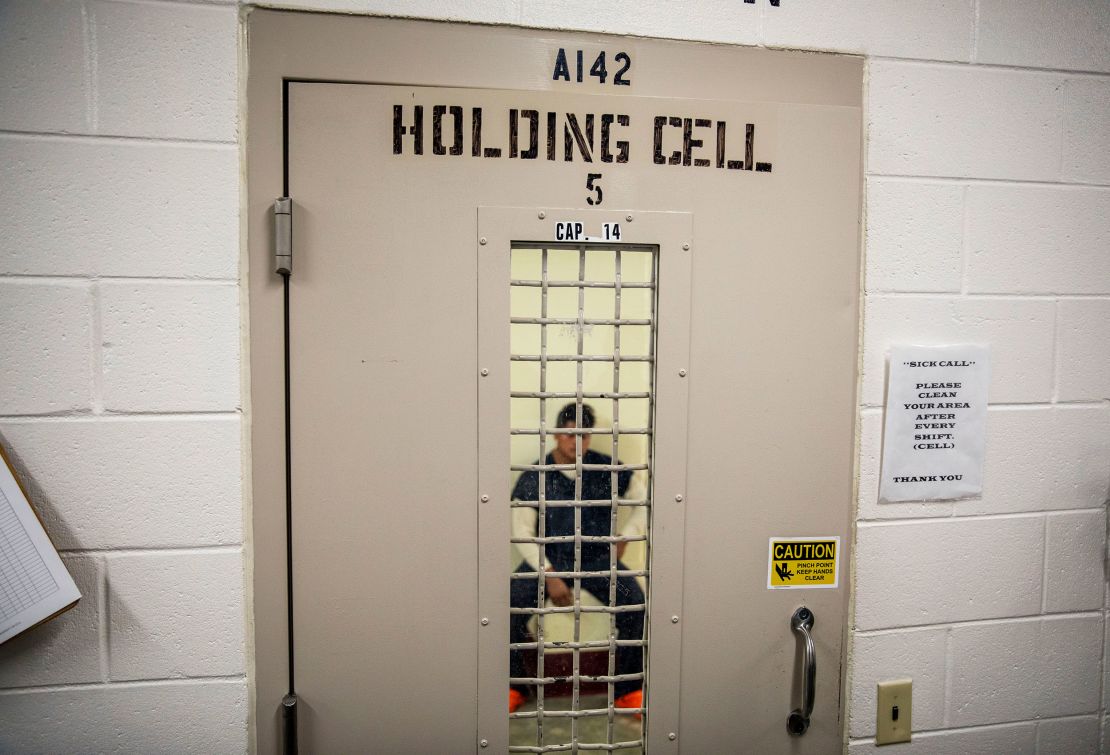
[(283, 236)]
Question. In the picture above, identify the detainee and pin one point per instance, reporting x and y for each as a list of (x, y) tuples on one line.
[(597, 517)]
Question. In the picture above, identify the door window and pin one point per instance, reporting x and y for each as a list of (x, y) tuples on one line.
[(581, 385)]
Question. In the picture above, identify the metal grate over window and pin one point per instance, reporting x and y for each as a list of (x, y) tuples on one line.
[(581, 388)]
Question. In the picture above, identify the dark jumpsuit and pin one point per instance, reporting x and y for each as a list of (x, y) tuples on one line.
[(596, 520)]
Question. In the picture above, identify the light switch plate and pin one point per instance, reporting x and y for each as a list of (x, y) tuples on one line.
[(894, 720)]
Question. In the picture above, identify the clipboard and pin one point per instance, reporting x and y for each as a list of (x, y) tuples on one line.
[(35, 585)]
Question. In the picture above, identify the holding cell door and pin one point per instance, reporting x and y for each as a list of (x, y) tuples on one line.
[(562, 358)]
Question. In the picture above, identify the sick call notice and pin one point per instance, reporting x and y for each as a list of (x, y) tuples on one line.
[(936, 412)]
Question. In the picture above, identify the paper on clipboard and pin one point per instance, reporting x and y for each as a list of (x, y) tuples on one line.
[(34, 583)]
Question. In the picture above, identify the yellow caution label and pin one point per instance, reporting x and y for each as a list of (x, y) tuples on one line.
[(796, 562)]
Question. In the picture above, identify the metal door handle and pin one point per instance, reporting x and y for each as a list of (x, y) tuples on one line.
[(801, 622)]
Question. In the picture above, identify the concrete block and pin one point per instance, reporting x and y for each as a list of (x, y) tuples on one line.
[(1072, 34), (914, 29), (45, 347), (1083, 470), (157, 719), (914, 236), (133, 483), (1075, 550), (166, 70), (1041, 459), (949, 570), (175, 615), (713, 21), (135, 209), (1016, 670), (42, 66), (1070, 736), (170, 346), (1087, 130), (1020, 334), (476, 11), (1038, 239), (963, 121), (871, 458), (918, 654), (1082, 354), (65, 650), (1012, 739)]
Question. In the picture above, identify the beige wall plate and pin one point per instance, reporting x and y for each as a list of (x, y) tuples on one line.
[(894, 717)]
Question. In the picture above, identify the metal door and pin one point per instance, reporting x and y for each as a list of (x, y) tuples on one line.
[(418, 157)]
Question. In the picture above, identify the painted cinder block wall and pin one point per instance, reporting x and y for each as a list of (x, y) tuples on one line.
[(121, 396)]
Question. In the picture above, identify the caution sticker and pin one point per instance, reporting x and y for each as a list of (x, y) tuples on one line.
[(803, 562)]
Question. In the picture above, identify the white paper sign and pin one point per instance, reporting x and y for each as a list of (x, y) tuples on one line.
[(936, 417)]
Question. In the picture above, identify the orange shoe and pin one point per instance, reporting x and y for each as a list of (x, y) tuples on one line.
[(634, 699), (516, 699)]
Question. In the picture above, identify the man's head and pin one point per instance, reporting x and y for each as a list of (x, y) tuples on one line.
[(564, 442)]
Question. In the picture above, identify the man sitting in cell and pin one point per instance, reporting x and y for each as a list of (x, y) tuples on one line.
[(596, 485)]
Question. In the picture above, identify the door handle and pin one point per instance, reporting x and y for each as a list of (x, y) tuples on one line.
[(801, 623)]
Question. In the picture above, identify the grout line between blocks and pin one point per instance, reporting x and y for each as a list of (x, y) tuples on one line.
[(884, 292), (1002, 515), (1048, 296), (128, 684), (97, 355), (965, 253), (1044, 564), (104, 617), (948, 663), (118, 416), (107, 622), (997, 621), (975, 33), (31, 279), (974, 180), (94, 70), (1102, 674), (1056, 371), (985, 296), (980, 66), (209, 5), (1105, 630), (119, 139), (90, 67), (168, 550)]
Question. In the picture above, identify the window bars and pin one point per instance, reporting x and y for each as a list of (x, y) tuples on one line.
[(594, 723)]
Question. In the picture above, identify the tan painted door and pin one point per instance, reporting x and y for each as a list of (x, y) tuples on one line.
[(451, 159)]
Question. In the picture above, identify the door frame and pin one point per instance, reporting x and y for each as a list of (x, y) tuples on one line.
[(286, 46)]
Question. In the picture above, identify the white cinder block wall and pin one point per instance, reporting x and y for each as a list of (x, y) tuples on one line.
[(119, 370), (988, 219)]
